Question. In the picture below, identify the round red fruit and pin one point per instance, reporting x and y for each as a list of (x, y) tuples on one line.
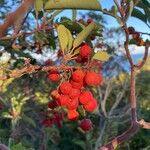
[(65, 88), (85, 51), (86, 125), (91, 105), (78, 75), (76, 85), (73, 115), (55, 94), (63, 99), (54, 75), (52, 104), (75, 93), (93, 79), (72, 104), (85, 97)]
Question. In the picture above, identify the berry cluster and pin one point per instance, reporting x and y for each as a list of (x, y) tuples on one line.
[(72, 95), (136, 36)]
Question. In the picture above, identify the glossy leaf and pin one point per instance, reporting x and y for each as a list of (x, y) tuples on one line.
[(57, 12), (38, 5), (73, 4), (63, 37), (83, 34), (101, 55), (70, 39), (138, 14)]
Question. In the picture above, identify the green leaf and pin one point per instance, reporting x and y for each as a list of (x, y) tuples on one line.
[(138, 14), (65, 38), (54, 15), (101, 55), (73, 4), (80, 143), (70, 39), (38, 5), (83, 34), (28, 120), (132, 41), (74, 14)]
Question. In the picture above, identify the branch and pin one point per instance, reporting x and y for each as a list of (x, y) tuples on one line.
[(143, 124), (29, 69), (15, 18), (121, 138)]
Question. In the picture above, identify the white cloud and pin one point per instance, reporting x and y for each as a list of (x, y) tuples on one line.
[(137, 49)]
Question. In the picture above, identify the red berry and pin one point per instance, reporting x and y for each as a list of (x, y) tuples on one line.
[(63, 99), (74, 93), (91, 105), (54, 75), (86, 124), (85, 97), (72, 104), (52, 104), (89, 20), (55, 94), (76, 85), (78, 76), (93, 79), (73, 115), (65, 88), (85, 51)]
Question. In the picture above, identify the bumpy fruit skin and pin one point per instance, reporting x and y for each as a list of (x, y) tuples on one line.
[(65, 88), (78, 76), (86, 125), (55, 94), (85, 51), (73, 115), (76, 85), (75, 93), (54, 76), (85, 97), (63, 99), (72, 104), (91, 105), (93, 79)]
